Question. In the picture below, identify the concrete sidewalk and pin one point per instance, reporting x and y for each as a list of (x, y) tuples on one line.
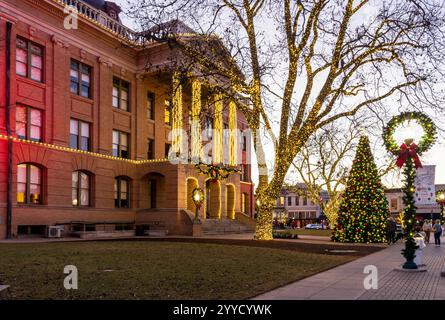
[(346, 282)]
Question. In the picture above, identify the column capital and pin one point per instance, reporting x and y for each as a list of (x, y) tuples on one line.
[(139, 77), (59, 42), (105, 62)]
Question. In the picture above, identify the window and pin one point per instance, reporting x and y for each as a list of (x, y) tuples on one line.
[(150, 149), (28, 123), (120, 144), (81, 185), (29, 60), (80, 79), (208, 126), (121, 192), (244, 143), (289, 201), (150, 105), (281, 201), (79, 135), (245, 173), (29, 184), (167, 149), (167, 113), (305, 201), (121, 91), (226, 134), (394, 205), (245, 203)]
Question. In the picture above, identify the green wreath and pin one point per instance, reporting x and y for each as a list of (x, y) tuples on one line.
[(425, 143)]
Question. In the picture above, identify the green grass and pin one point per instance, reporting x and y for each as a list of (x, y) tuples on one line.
[(153, 270)]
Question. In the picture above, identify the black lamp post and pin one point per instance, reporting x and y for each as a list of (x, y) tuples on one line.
[(410, 211)]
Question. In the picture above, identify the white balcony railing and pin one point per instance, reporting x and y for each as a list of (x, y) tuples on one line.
[(101, 18)]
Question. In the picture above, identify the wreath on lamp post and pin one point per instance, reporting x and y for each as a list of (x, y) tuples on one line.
[(425, 143), (408, 157)]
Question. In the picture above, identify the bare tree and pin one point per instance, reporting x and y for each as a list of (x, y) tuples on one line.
[(324, 162), (307, 63)]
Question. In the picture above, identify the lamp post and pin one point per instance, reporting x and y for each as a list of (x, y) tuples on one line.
[(198, 199), (440, 199), (410, 210)]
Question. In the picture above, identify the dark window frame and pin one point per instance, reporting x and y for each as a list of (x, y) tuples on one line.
[(151, 99), (80, 136), (150, 149), (167, 149), (79, 189), (28, 124), (80, 71), (118, 192), (30, 53), (121, 85), (28, 184), (119, 145)]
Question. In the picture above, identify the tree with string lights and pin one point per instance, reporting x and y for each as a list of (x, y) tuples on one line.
[(300, 65), (364, 209)]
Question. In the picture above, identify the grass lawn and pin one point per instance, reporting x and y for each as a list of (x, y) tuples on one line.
[(153, 270), (309, 232)]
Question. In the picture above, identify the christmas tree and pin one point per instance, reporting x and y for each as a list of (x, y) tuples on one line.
[(364, 210)]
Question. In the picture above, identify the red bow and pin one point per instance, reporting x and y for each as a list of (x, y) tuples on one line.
[(408, 152)]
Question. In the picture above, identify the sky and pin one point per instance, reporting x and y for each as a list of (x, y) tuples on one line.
[(435, 156)]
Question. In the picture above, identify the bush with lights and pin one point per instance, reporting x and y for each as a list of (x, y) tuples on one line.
[(364, 209)]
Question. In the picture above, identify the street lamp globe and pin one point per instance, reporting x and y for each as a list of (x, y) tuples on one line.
[(198, 199)]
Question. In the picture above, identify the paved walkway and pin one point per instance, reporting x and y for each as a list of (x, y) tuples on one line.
[(346, 282)]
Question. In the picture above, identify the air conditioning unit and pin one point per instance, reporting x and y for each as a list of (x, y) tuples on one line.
[(55, 231)]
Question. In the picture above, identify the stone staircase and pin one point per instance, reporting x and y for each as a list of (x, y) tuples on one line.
[(224, 226)]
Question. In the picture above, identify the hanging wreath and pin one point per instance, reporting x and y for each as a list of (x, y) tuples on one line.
[(215, 172), (426, 141)]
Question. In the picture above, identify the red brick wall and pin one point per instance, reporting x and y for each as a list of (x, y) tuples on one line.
[(42, 24)]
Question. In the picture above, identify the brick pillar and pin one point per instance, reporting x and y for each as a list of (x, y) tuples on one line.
[(140, 130), (104, 87), (61, 105)]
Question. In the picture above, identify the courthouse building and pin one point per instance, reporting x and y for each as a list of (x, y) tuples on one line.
[(87, 115)]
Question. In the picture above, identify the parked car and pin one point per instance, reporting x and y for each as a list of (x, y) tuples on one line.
[(314, 226)]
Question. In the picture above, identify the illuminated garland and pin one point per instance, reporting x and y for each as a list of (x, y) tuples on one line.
[(218, 126), (196, 123), (425, 143), (67, 149), (177, 113), (233, 126), (215, 172)]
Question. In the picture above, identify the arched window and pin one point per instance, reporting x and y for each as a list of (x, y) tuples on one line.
[(81, 189), (122, 192), (29, 184)]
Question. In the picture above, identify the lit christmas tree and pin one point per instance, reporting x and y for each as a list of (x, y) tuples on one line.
[(364, 210)]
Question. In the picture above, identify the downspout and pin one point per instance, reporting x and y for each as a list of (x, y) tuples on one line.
[(8, 130)]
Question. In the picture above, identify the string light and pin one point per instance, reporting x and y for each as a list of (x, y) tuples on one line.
[(218, 126), (233, 125), (177, 113), (67, 149), (196, 123)]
